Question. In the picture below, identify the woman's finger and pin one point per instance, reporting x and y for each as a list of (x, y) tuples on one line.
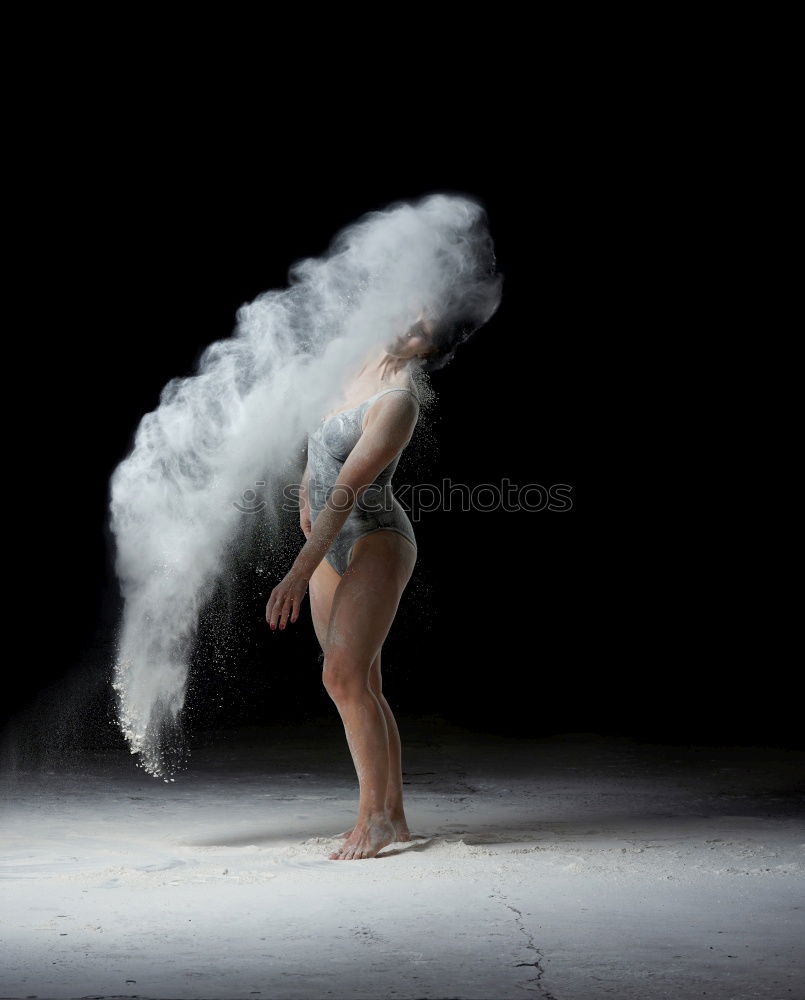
[(275, 614), (292, 604), (276, 598), (297, 604), (286, 610)]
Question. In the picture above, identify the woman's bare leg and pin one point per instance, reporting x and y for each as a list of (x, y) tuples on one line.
[(322, 587), (394, 790), (363, 609)]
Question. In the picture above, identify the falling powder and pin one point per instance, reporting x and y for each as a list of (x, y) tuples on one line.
[(180, 500)]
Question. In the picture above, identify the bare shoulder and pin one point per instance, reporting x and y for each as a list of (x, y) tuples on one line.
[(397, 409)]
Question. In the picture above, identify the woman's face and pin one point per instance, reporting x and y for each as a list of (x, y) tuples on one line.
[(416, 341)]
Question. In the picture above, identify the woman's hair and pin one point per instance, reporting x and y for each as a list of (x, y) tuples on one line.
[(446, 340), (477, 297)]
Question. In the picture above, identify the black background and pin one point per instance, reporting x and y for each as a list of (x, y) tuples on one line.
[(151, 227)]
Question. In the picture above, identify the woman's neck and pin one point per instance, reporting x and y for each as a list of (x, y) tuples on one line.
[(379, 370)]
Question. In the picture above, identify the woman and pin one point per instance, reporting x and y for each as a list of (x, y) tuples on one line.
[(359, 555), (360, 549)]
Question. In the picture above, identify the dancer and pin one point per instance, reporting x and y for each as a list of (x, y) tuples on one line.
[(243, 418), (358, 558)]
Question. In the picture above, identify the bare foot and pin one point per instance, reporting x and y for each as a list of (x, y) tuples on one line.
[(365, 841), (401, 831)]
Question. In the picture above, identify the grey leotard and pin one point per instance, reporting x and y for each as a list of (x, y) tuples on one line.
[(377, 508)]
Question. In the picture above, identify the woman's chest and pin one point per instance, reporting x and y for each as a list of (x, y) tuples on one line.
[(340, 433)]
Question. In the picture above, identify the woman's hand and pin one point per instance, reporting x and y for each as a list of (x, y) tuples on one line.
[(286, 599), (304, 520)]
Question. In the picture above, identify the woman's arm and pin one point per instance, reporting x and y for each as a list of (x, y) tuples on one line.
[(304, 503), (389, 427)]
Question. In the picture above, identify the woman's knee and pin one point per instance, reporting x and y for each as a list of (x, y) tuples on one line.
[(343, 675)]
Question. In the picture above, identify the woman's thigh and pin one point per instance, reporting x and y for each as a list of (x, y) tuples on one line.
[(365, 602), (322, 587)]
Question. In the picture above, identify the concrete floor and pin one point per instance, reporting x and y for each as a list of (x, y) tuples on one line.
[(572, 867)]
